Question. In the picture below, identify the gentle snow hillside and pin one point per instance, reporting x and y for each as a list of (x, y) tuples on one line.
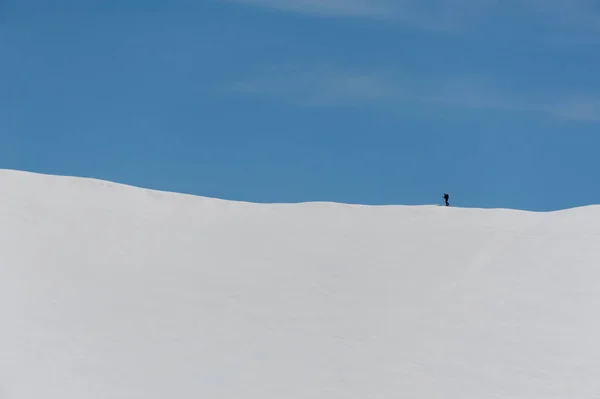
[(109, 291)]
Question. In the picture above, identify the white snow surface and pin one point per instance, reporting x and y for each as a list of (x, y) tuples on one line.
[(109, 291)]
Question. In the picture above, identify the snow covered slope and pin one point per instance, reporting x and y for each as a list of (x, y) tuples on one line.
[(109, 291)]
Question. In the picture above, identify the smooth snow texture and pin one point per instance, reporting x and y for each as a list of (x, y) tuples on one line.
[(109, 291)]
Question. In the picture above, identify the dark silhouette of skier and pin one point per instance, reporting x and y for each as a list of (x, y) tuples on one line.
[(447, 198)]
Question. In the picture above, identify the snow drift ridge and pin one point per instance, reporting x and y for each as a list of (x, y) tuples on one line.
[(110, 291)]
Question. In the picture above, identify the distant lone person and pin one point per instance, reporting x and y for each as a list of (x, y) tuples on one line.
[(447, 198)]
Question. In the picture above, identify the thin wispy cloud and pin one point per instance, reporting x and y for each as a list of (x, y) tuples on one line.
[(562, 106), (337, 87), (566, 20), (320, 86), (363, 8), (581, 109), (429, 14)]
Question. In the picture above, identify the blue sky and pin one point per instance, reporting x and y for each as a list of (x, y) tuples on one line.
[(361, 101)]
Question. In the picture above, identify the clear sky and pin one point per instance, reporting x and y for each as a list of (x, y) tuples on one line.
[(361, 101)]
